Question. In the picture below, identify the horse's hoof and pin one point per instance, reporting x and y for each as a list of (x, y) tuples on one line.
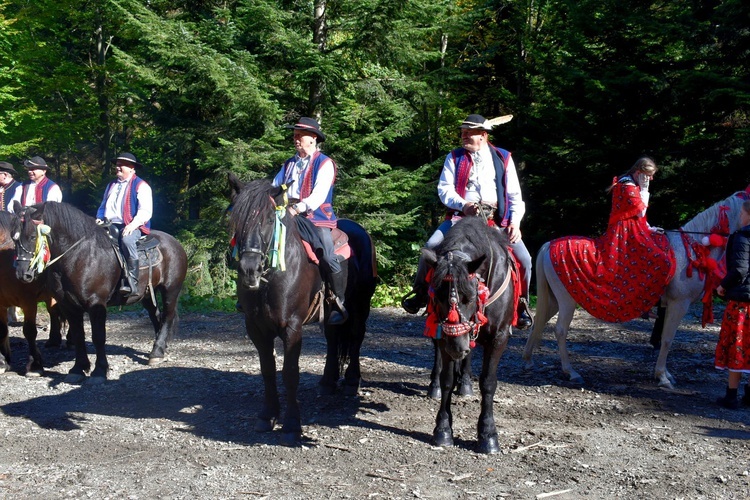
[(577, 380), (442, 438), (350, 389), (155, 361), (53, 344), (34, 373), (326, 389), (434, 393), (291, 438), (488, 446), (74, 378), (264, 425), (465, 390)]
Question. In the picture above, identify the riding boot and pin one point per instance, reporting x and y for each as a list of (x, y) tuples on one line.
[(525, 318), (418, 297), (338, 314), (130, 288), (729, 401)]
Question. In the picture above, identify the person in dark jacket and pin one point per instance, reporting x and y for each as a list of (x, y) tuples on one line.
[(733, 348)]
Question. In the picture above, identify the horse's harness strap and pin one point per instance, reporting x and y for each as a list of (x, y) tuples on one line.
[(500, 290)]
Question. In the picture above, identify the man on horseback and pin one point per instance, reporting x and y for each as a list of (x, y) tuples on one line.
[(480, 179), (312, 175), (128, 205), (8, 185), (39, 188)]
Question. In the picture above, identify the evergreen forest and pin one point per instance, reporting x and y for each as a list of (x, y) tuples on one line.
[(199, 88)]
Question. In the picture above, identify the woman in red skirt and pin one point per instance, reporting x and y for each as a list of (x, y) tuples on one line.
[(733, 348)]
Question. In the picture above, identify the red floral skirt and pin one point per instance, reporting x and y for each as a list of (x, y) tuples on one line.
[(733, 348)]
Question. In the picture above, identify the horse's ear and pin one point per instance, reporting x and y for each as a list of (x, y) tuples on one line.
[(235, 184), (16, 207), (473, 265), (430, 257)]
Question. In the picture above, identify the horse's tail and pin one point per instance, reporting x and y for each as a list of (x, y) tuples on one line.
[(545, 308)]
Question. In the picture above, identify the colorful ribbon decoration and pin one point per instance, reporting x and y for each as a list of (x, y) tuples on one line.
[(41, 250)]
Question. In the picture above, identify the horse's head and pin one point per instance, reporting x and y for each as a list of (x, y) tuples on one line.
[(30, 237), (455, 289), (254, 224)]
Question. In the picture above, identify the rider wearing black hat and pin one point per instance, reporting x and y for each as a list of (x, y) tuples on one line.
[(39, 188), (312, 175), (8, 185), (128, 204)]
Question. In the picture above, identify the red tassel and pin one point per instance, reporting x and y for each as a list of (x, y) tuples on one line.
[(481, 318), (453, 315), (472, 344)]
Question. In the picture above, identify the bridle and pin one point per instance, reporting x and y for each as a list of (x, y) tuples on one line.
[(455, 324), (271, 252)]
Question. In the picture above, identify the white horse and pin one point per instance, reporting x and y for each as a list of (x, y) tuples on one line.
[(680, 293)]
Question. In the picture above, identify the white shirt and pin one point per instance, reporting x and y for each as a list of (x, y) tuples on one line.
[(116, 198), (482, 186), (323, 182), (54, 194)]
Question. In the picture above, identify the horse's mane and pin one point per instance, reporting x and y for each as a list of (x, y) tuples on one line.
[(252, 202), (77, 223), (468, 240), (706, 220)]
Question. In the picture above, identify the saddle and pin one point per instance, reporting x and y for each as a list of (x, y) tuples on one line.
[(340, 246), (147, 246)]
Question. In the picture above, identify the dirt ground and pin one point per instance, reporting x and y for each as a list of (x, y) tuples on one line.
[(184, 429)]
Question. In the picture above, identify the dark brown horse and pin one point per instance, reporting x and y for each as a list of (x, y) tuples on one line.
[(84, 274), (14, 292), (472, 256), (280, 290)]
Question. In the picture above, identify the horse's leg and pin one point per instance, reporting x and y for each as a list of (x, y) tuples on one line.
[(655, 340), (546, 306), (433, 391), (562, 325), (331, 372), (291, 426), (98, 318), (35, 366), (463, 376), (165, 323), (353, 374), (442, 435), (269, 412), (82, 364), (4, 342), (675, 312), (487, 441), (55, 330)]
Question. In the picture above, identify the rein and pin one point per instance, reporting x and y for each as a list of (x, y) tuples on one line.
[(274, 255)]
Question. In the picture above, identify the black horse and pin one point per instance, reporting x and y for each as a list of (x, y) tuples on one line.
[(85, 278), (278, 301), (472, 256), (14, 292)]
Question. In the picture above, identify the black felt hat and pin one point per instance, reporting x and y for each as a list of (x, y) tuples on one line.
[(128, 157), (35, 163), (309, 125), (481, 123), (7, 167)]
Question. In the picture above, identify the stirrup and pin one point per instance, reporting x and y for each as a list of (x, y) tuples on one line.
[(412, 305), (525, 318)]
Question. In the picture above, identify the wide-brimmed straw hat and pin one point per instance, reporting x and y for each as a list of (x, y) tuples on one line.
[(128, 157), (35, 163), (481, 123), (308, 125)]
